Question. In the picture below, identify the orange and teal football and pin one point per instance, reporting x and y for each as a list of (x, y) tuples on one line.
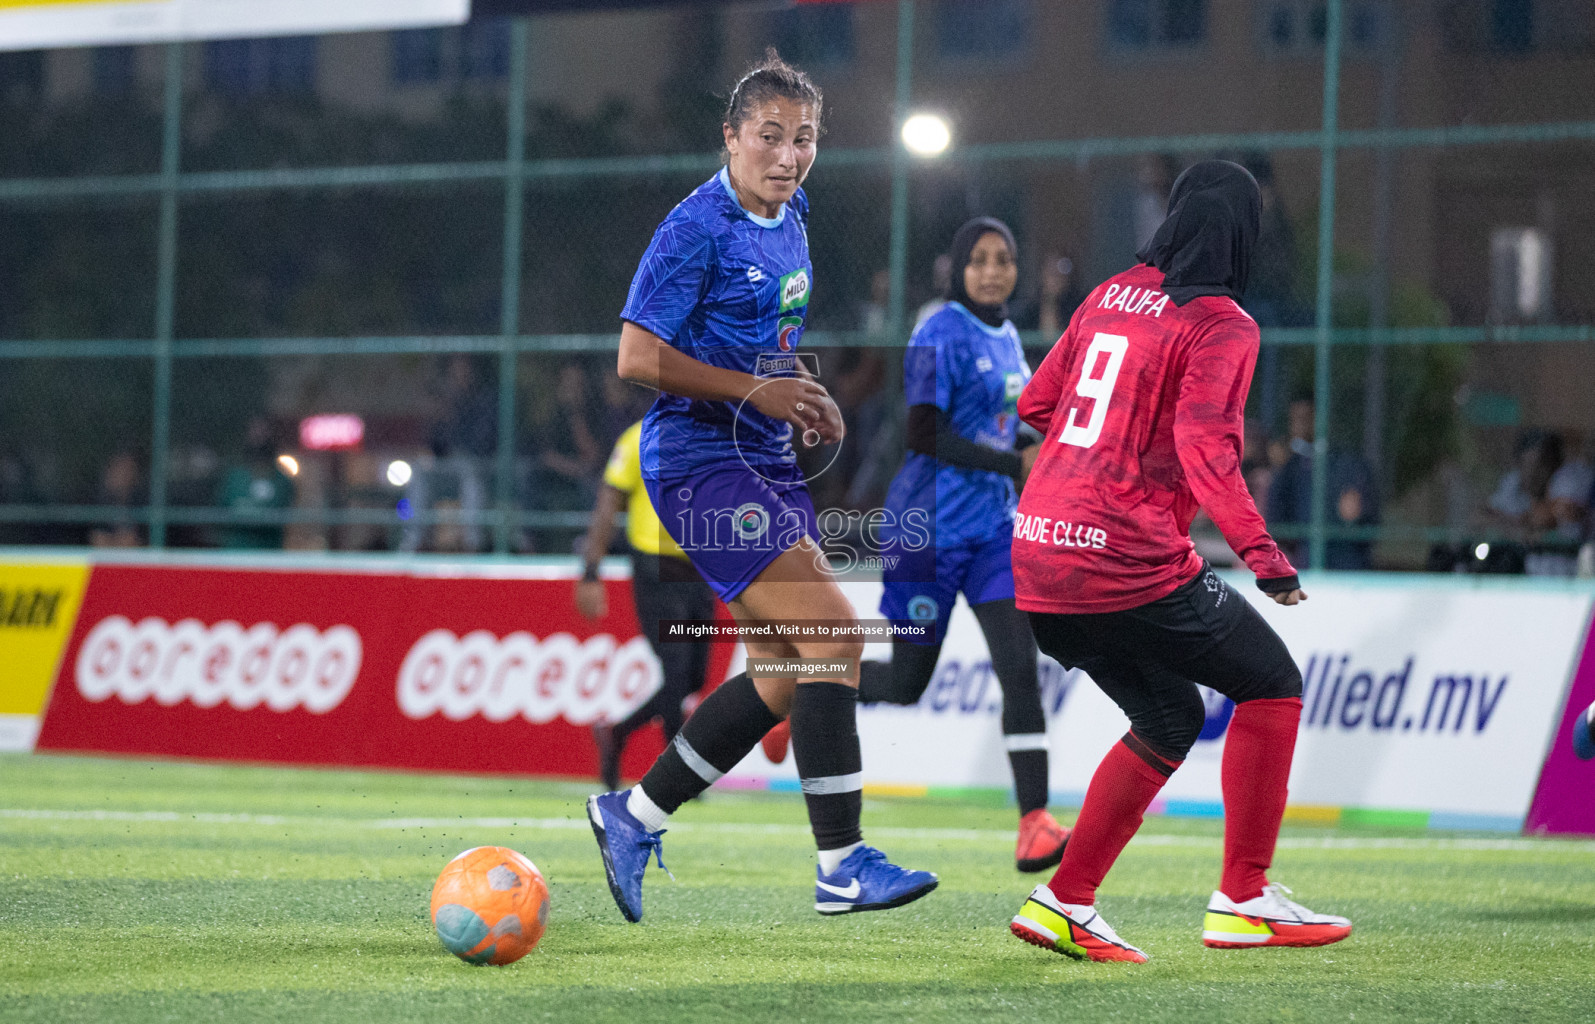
[(490, 906)]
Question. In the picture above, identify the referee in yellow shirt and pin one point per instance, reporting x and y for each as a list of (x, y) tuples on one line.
[(664, 585)]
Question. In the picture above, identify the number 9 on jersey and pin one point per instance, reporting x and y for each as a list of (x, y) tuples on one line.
[(1097, 388)]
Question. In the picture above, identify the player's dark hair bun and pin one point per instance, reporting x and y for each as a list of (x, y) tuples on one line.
[(767, 80)]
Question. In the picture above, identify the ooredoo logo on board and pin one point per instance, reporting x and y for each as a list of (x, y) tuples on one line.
[(581, 681), (245, 667), (369, 669)]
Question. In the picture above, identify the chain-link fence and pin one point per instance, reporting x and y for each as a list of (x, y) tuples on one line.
[(209, 252)]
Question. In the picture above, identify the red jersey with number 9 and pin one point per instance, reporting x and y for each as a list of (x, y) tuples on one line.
[(1141, 403)]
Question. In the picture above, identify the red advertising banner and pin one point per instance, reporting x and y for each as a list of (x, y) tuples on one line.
[(482, 674)]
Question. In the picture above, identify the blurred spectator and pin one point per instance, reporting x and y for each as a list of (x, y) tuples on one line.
[(1271, 294), (17, 487), (623, 404), (1571, 494), (941, 279), (1257, 466), (1569, 491), (873, 313), (256, 483), (451, 536), (874, 449), (361, 482), (463, 441), (469, 426), (121, 492), (1060, 295), (1520, 502), (13, 479), (857, 384), (1543, 500), (1154, 178), (1350, 497), (566, 446), (879, 457)]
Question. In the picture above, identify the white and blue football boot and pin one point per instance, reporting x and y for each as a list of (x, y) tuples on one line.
[(1584, 734), (626, 846), (866, 880)]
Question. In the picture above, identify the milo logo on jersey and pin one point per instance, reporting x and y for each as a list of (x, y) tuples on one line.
[(1013, 387), (794, 289)]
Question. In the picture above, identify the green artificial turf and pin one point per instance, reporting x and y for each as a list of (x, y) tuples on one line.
[(156, 891)]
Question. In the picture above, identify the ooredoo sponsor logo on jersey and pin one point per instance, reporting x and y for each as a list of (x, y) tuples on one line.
[(582, 681), (282, 669)]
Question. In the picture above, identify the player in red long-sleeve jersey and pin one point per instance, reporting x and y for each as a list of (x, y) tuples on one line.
[(1141, 402)]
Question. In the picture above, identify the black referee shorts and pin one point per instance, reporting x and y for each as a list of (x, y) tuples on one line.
[(664, 588), (1150, 659)]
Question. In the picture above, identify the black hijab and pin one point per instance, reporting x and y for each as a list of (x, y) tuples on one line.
[(1204, 246), (962, 248)]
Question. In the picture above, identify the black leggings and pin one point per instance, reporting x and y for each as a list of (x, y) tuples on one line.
[(1013, 659), (1149, 659), (668, 588)]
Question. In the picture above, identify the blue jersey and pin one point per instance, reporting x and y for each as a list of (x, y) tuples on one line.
[(730, 289), (974, 373)]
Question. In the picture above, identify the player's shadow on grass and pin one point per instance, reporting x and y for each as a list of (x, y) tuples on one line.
[(1547, 913)]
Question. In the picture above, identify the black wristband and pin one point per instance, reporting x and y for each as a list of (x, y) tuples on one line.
[(589, 573), (1279, 584)]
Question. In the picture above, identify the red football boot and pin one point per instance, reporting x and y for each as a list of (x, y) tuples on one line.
[(1041, 841), (776, 741)]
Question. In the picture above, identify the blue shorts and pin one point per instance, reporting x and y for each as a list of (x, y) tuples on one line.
[(923, 586), (733, 522)]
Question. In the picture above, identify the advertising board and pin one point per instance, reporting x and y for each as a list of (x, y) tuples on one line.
[(38, 607), (489, 673), (1426, 702)]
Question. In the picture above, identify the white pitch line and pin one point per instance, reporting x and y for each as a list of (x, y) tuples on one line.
[(1001, 836), (157, 816)]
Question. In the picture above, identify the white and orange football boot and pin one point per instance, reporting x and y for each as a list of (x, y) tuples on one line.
[(1041, 841), (1268, 920), (1071, 929)]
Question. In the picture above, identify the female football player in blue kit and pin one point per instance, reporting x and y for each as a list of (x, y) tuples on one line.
[(951, 514), (713, 321)]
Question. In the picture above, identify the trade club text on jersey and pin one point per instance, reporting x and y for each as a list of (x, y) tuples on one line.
[(1044, 530)]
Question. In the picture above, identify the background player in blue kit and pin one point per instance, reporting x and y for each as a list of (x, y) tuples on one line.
[(713, 322), (951, 514)]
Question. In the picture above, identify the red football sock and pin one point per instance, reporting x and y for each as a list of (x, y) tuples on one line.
[(1257, 753), (1123, 787)]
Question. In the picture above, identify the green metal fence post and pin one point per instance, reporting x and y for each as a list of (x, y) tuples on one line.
[(510, 299), (165, 292), (898, 265), (1326, 281)]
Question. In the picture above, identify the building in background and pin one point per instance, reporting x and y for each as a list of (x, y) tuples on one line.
[(1425, 235)]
